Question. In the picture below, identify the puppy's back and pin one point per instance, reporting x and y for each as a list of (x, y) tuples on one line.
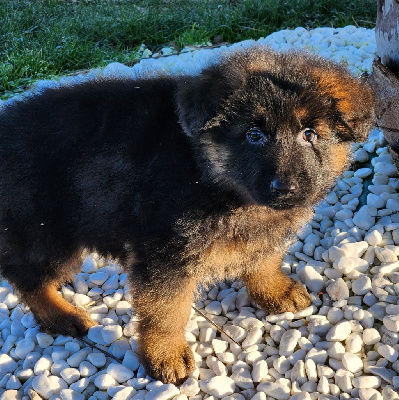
[(73, 149)]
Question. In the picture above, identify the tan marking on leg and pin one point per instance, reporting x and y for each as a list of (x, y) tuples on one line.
[(55, 314), (273, 291), (162, 344)]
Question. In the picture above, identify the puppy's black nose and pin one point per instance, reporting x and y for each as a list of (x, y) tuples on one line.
[(281, 188)]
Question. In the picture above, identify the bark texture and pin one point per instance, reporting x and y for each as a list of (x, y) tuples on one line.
[(387, 30), (384, 78)]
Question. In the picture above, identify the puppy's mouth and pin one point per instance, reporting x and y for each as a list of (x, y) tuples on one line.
[(283, 204), (280, 202)]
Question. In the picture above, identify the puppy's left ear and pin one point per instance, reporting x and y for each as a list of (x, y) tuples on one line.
[(354, 102), (199, 98)]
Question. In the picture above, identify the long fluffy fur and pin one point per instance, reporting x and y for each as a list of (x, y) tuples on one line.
[(160, 174)]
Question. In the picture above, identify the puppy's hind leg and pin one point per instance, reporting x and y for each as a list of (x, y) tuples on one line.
[(37, 285), (55, 314), (272, 290), (164, 310)]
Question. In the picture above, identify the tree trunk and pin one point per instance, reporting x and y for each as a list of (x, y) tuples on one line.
[(387, 30), (384, 78)]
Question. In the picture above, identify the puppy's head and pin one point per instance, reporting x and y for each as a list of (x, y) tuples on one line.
[(274, 127)]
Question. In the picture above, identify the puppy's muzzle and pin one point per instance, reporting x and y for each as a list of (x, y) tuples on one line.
[(282, 189)]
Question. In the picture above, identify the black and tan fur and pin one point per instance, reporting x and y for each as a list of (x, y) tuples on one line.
[(165, 175)]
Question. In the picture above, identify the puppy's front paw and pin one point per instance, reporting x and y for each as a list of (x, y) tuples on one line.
[(168, 363), (294, 299), (76, 322)]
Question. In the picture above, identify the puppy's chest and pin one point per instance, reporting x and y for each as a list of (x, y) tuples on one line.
[(224, 245)]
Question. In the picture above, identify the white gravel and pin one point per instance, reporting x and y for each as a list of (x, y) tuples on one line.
[(344, 346)]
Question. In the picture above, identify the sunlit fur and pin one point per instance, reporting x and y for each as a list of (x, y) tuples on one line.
[(158, 173)]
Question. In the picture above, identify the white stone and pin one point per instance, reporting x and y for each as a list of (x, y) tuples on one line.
[(374, 237), (352, 362), (242, 378), (354, 343), (89, 265), (126, 393), (281, 365), (363, 172), (361, 285), (95, 334), (313, 357), (311, 278), (214, 308), (375, 201), (11, 395), (43, 364), (80, 285), (75, 359), (81, 300), (104, 381), (70, 375), (279, 390), (111, 333), (385, 168), (97, 359), (43, 386), (86, 368), (254, 336), (339, 331), (11, 300), (131, 360), (343, 214), (218, 386), (367, 381), (28, 320), (365, 217), (344, 265), (259, 370), (335, 315), (338, 290), (388, 352), (360, 156), (288, 342), (391, 322), (323, 385), (44, 339), (112, 283), (335, 252), (388, 268), (385, 255), (392, 205), (23, 348), (68, 394), (219, 346), (122, 307), (190, 387), (369, 394), (13, 383), (163, 392), (98, 277), (336, 350), (392, 309), (119, 372), (355, 249)]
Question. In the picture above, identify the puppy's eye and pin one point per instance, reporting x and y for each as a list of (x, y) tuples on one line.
[(256, 136), (309, 135)]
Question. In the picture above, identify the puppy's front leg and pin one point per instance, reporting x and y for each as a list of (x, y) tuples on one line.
[(164, 308), (272, 290)]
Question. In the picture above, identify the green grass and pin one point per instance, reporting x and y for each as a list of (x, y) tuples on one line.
[(45, 38)]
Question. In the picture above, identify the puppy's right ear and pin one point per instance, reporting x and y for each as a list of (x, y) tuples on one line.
[(199, 98)]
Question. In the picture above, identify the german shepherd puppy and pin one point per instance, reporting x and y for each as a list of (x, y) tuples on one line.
[(182, 179)]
